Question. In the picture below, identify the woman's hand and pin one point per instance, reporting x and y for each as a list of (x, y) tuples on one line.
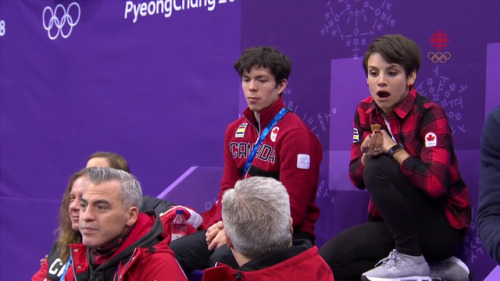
[(373, 144)]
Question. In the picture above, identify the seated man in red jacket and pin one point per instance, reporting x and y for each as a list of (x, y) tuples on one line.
[(258, 223), (118, 242), (268, 140)]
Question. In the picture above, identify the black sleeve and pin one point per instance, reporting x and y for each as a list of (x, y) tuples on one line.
[(155, 204)]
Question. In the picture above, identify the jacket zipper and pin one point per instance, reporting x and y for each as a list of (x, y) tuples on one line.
[(118, 274)]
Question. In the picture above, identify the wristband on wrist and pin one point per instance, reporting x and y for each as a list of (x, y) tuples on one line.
[(397, 147)]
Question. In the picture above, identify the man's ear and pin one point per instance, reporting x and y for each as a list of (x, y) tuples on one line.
[(228, 242), (291, 225), (132, 215), (282, 86)]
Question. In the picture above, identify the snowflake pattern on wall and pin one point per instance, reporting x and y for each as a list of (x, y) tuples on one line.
[(317, 122), (324, 193), (473, 248), (446, 92), (353, 21)]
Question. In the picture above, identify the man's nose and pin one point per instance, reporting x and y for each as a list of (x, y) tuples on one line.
[(252, 85), (86, 214)]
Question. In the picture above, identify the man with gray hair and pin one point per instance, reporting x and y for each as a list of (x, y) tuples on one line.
[(119, 242), (259, 228)]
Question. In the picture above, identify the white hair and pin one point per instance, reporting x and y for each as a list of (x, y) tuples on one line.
[(256, 215)]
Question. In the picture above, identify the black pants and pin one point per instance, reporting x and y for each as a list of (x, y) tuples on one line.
[(191, 252), (412, 222)]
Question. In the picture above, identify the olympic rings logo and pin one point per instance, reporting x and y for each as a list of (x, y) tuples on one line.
[(2, 28), (54, 21), (439, 57)]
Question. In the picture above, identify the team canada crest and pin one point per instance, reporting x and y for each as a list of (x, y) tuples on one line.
[(274, 133), (430, 140)]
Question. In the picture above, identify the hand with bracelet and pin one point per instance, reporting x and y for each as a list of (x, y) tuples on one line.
[(391, 148)]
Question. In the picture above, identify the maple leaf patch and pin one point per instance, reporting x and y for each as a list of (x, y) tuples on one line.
[(430, 140)]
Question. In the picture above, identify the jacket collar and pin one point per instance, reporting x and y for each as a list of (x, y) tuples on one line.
[(276, 257), (266, 115), (403, 108), (146, 232), (225, 272)]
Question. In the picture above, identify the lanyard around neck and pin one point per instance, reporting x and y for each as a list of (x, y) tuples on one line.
[(263, 135), (65, 269)]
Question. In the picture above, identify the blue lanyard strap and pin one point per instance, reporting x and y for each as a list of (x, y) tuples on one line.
[(263, 135), (65, 269)]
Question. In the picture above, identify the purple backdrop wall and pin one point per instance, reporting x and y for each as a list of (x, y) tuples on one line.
[(153, 81)]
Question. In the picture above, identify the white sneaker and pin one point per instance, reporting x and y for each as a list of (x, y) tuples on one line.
[(450, 269), (399, 267)]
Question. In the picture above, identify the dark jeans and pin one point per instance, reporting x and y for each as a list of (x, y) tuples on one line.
[(191, 252), (412, 222)]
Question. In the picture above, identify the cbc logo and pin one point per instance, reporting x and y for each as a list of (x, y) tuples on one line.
[(2, 28), (61, 20)]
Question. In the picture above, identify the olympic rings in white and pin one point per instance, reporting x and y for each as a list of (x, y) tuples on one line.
[(59, 23)]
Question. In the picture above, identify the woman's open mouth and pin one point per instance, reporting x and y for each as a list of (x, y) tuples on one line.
[(383, 94)]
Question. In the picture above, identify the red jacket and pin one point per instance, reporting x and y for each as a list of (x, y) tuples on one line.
[(144, 255), (305, 266), (291, 153), (56, 268), (51, 269)]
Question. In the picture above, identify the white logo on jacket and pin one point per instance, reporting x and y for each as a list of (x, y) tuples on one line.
[(430, 140), (240, 132), (274, 133), (303, 161), (355, 135)]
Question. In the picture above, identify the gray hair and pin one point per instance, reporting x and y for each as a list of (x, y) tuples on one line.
[(130, 188), (256, 215)]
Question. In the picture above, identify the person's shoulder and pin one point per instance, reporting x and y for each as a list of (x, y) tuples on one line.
[(424, 104), (495, 113), (366, 102), (162, 247), (294, 130), (238, 121), (492, 123), (292, 121), (157, 260), (292, 115), (158, 205), (159, 252), (365, 106)]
